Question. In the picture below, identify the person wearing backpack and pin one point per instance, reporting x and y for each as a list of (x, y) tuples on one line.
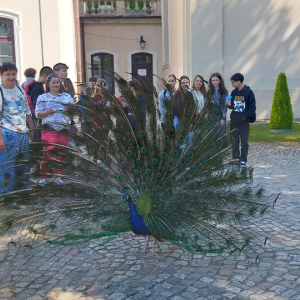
[(30, 78), (165, 95), (242, 103), (15, 122)]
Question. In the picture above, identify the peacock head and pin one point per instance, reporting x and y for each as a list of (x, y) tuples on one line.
[(126, 197)]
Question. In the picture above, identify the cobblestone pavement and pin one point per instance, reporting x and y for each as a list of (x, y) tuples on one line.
[(119, 270)]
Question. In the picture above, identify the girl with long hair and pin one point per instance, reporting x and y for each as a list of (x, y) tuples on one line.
[(199, 92), (100, 89), (165, 95), (182, 94), (69, 88), (219, 93)]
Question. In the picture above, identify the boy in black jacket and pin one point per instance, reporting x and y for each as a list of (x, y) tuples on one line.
[(34, 91), (243, 108)]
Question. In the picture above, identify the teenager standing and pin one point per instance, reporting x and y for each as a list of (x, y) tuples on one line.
[(50, 108), (243, 108), (15, 119), (199, 92), (165, 95), (219, 94)]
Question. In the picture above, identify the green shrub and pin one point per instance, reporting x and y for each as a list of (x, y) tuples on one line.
[(282, 112)]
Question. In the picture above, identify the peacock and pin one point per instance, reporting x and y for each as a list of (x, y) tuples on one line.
[(132, 173)]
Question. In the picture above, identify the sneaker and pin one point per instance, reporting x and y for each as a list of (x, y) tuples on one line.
[(58, 181), (242, 164), (42, 182)]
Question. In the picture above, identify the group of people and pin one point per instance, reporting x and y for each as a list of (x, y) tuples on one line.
[(25, 107), (28, 106), (241, 102)]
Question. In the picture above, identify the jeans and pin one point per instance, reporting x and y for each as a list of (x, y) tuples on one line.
[(241, 132), (14, 165)]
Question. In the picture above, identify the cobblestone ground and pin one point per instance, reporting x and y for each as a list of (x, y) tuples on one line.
[(119, 270)]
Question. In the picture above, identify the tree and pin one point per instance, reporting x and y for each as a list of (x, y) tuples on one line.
[(282, 112)]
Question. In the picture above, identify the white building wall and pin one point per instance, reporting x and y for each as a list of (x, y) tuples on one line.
[(57, 27), (257, 38)]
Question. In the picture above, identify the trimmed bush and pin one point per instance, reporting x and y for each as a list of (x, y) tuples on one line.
[(282, 112)]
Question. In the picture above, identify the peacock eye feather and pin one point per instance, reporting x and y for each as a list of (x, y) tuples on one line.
[(69, 188), (154, 143), (151, 183), (171, 182), (144, 184), (105, 186), (142, 133), (194, 169), (128, 153), (166, 139), (124, 165), (108, 197), (183, 181), (169, 168), (104, 175), (138, 161), (154, 161), (175, 153), (164, 155), (191, 156), (158, 188), (158, 175), (119, 177), (135, 186), (180, 166), (76, 195), (143, 150), (87, 191), (148, 172), (181, 197)]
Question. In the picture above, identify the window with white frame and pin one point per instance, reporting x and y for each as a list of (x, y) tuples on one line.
[(7, 42)]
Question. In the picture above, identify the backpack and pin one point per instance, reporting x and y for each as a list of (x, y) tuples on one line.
[(26, 91)]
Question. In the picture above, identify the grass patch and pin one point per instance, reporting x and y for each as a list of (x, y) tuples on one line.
[(261, 133)]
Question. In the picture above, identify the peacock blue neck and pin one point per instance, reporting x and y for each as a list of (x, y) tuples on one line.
[(137, 222)]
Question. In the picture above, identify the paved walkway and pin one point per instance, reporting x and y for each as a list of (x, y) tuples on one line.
[(119, 270)]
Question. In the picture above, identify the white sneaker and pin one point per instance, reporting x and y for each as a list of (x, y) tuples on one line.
[(242, 164), (42, 182), (58, 181)]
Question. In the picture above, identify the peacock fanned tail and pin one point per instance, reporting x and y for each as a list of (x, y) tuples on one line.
[(183, 183)]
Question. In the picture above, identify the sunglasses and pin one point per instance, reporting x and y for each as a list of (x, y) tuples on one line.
[(53, 76), (6, 63)]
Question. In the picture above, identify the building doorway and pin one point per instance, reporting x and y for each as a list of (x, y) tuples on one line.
[(142, 65)]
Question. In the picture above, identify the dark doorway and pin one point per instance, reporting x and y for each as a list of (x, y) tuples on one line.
[(142, 64)]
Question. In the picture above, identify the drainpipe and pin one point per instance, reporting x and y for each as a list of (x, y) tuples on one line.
[(41, 34), (78, 40)]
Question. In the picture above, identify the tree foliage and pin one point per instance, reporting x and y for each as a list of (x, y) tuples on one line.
[(282, 112)]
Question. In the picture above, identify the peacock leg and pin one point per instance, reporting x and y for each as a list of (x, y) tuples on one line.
[(147, 241), (154, 240)]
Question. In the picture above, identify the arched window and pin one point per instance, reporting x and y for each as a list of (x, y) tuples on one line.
[(7, 41), (142, 65), (103, 67)]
